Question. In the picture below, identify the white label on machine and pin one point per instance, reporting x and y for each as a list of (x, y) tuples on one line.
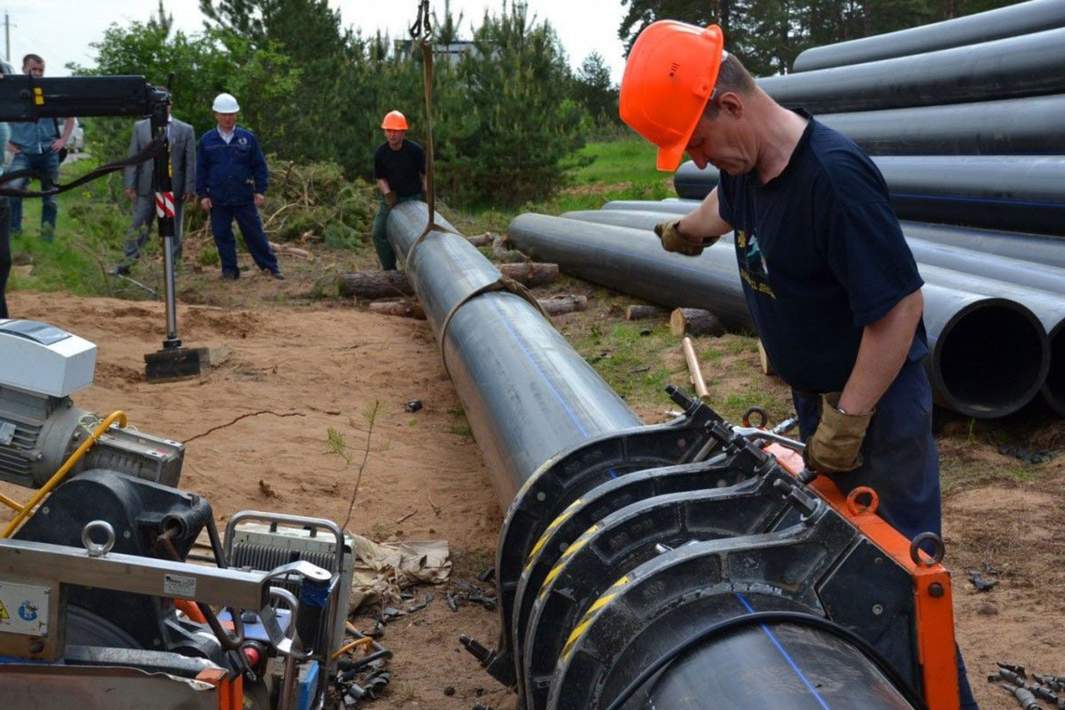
[(178, 585), (24, 609)]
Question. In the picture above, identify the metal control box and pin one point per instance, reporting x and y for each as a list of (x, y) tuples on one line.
[(43, 359)]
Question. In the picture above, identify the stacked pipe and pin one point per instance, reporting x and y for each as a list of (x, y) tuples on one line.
[(967, 374), (1024, 269), (962, 117), (716, 569)]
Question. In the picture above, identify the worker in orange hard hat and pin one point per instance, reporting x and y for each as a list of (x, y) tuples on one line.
[(399, 169), (828, 278)]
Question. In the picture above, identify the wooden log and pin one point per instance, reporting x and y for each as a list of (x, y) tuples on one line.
[(481, 240), (530, 273), (763, 361), (291, 251), (371, 285), (404, 309), (501, 253), (694, 321), (639, 312), (557, 305)]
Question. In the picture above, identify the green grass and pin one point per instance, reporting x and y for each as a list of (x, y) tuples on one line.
[(90, 232), (631, 160), (628, 358), (960, 473), (596, 174)]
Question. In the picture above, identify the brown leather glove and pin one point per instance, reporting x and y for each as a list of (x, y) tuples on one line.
[(836, 445), (391, 199), (672, 240)]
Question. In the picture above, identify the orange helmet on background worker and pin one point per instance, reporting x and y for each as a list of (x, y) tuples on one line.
[(394, 121), (668, 80)]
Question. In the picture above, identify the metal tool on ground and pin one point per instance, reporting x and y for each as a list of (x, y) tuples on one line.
[(28, 98)]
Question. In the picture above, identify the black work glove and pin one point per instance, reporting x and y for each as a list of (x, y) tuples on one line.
[(391, 199)]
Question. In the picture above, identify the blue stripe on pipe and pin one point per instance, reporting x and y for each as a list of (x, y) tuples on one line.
[(558, 395), (785, 654), (995, 200)]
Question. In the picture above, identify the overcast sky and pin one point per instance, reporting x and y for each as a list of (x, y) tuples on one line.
[(62, 30)]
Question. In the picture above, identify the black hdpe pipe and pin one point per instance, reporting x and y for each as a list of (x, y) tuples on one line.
[(1007, 68), (968, 376), (1048, 373), (1019, 19), (1029, 274), (1032, 248), (1019, 193), (753, 652), (633, 262), (525, 390), (527, 394), (1030, 126), (1038, 287)]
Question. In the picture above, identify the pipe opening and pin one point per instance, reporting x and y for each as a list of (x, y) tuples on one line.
[(992, 359)]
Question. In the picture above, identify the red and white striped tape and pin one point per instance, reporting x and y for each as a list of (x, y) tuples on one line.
[(164, 204)]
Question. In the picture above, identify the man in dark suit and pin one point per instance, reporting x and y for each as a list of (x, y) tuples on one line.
[(137, 181)]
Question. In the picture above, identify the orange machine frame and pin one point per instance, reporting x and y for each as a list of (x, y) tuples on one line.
[(933, 599)]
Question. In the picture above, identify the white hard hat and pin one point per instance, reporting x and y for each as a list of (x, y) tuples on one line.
[(225, 103)]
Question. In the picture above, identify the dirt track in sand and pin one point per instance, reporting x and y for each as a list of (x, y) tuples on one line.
[(425, 479)]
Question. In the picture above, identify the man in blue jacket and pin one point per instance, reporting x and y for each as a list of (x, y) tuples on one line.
[(231, 180)]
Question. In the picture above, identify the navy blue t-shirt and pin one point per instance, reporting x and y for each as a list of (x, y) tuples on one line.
[(821, 256)]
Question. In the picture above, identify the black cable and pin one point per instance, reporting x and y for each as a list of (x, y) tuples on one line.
[(764, 617), (216, 543), (150, 151)]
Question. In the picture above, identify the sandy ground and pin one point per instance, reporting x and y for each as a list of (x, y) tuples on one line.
[(327, 366)]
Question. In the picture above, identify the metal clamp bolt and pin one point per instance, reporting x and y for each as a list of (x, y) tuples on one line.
[(98, 549)]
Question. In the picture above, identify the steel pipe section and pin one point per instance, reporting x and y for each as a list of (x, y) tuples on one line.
[(1006, 68), (1018, 193), (1022, 18), (1030, 126), (968, 376), (527, 394)]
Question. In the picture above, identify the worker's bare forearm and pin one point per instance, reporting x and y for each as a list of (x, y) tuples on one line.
[(384, 187), (705, 220), (881, 354)]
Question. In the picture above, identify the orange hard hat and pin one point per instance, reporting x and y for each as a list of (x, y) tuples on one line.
[(394, 121), (669, 77)]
